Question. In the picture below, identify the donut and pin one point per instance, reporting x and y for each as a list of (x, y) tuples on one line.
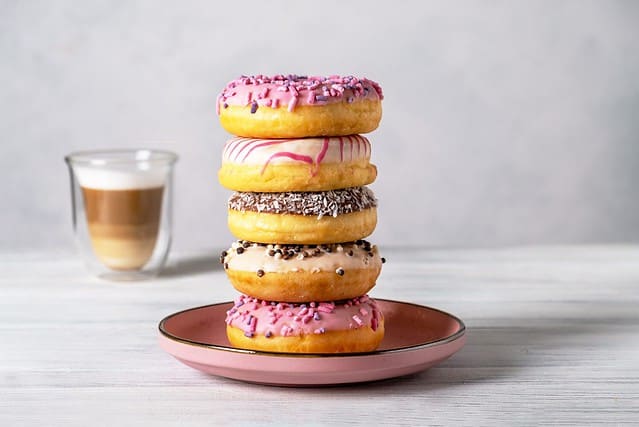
[(303, 218), (299, 106), (299, 273), (355, 325), (311, 164)]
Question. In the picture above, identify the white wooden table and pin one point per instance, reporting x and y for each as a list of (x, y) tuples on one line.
[(552, 338)]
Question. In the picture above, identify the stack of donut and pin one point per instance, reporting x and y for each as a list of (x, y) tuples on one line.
[(301, 209)]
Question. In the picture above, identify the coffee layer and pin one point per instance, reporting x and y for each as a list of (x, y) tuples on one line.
[(123, 225)]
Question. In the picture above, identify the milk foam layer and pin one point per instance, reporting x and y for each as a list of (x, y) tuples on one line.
[(121, 179)]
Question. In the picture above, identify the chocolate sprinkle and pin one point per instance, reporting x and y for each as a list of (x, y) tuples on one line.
[(260, 273), (324, 203)]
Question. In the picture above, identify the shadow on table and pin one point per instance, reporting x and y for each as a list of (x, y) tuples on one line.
[(192, 266)]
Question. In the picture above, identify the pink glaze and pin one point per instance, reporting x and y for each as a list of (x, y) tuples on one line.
[(312, 151), (259, 317), (291, 91)]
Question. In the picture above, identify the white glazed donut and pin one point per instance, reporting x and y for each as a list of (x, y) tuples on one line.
[(299, 273), (311, 164)]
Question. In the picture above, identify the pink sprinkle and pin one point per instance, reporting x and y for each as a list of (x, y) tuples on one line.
[(325, 308), (303, 311), (276, 103), (374, 324), (357, 320), (292, 103), (307, 318), (363, 311)]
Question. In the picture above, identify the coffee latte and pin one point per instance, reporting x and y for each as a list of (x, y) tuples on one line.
[(123, 225), (123, 211)]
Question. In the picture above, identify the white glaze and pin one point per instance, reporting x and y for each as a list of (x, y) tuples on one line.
[(313, 151), (256, 257)]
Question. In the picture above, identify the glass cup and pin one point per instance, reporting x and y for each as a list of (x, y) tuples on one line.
[(121, 202)]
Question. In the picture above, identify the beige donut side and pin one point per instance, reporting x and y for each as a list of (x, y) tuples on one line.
[(299, 229), (342, 118), (282, 178), (347, 341), (303, 286)]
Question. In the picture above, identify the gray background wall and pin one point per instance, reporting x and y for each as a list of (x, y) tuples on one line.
[(504, 122)]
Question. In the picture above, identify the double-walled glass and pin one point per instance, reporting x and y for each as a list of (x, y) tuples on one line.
[(122, 203)]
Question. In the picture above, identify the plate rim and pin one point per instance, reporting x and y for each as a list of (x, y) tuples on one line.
[(441, 341)]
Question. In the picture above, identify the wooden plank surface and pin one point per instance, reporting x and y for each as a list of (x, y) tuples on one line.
[(552, 338)]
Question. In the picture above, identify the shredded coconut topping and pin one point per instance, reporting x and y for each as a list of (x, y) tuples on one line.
[(324, 203)]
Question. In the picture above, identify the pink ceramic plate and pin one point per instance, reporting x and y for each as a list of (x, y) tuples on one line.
[(417, 338)]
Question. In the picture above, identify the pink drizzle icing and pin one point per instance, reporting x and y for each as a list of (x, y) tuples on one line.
[(259, 317), (298, 157), (311, 151), (292, 90)]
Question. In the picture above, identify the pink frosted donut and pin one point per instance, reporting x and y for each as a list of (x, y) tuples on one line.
[(299, 106), (354, 325), (309, 164)]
